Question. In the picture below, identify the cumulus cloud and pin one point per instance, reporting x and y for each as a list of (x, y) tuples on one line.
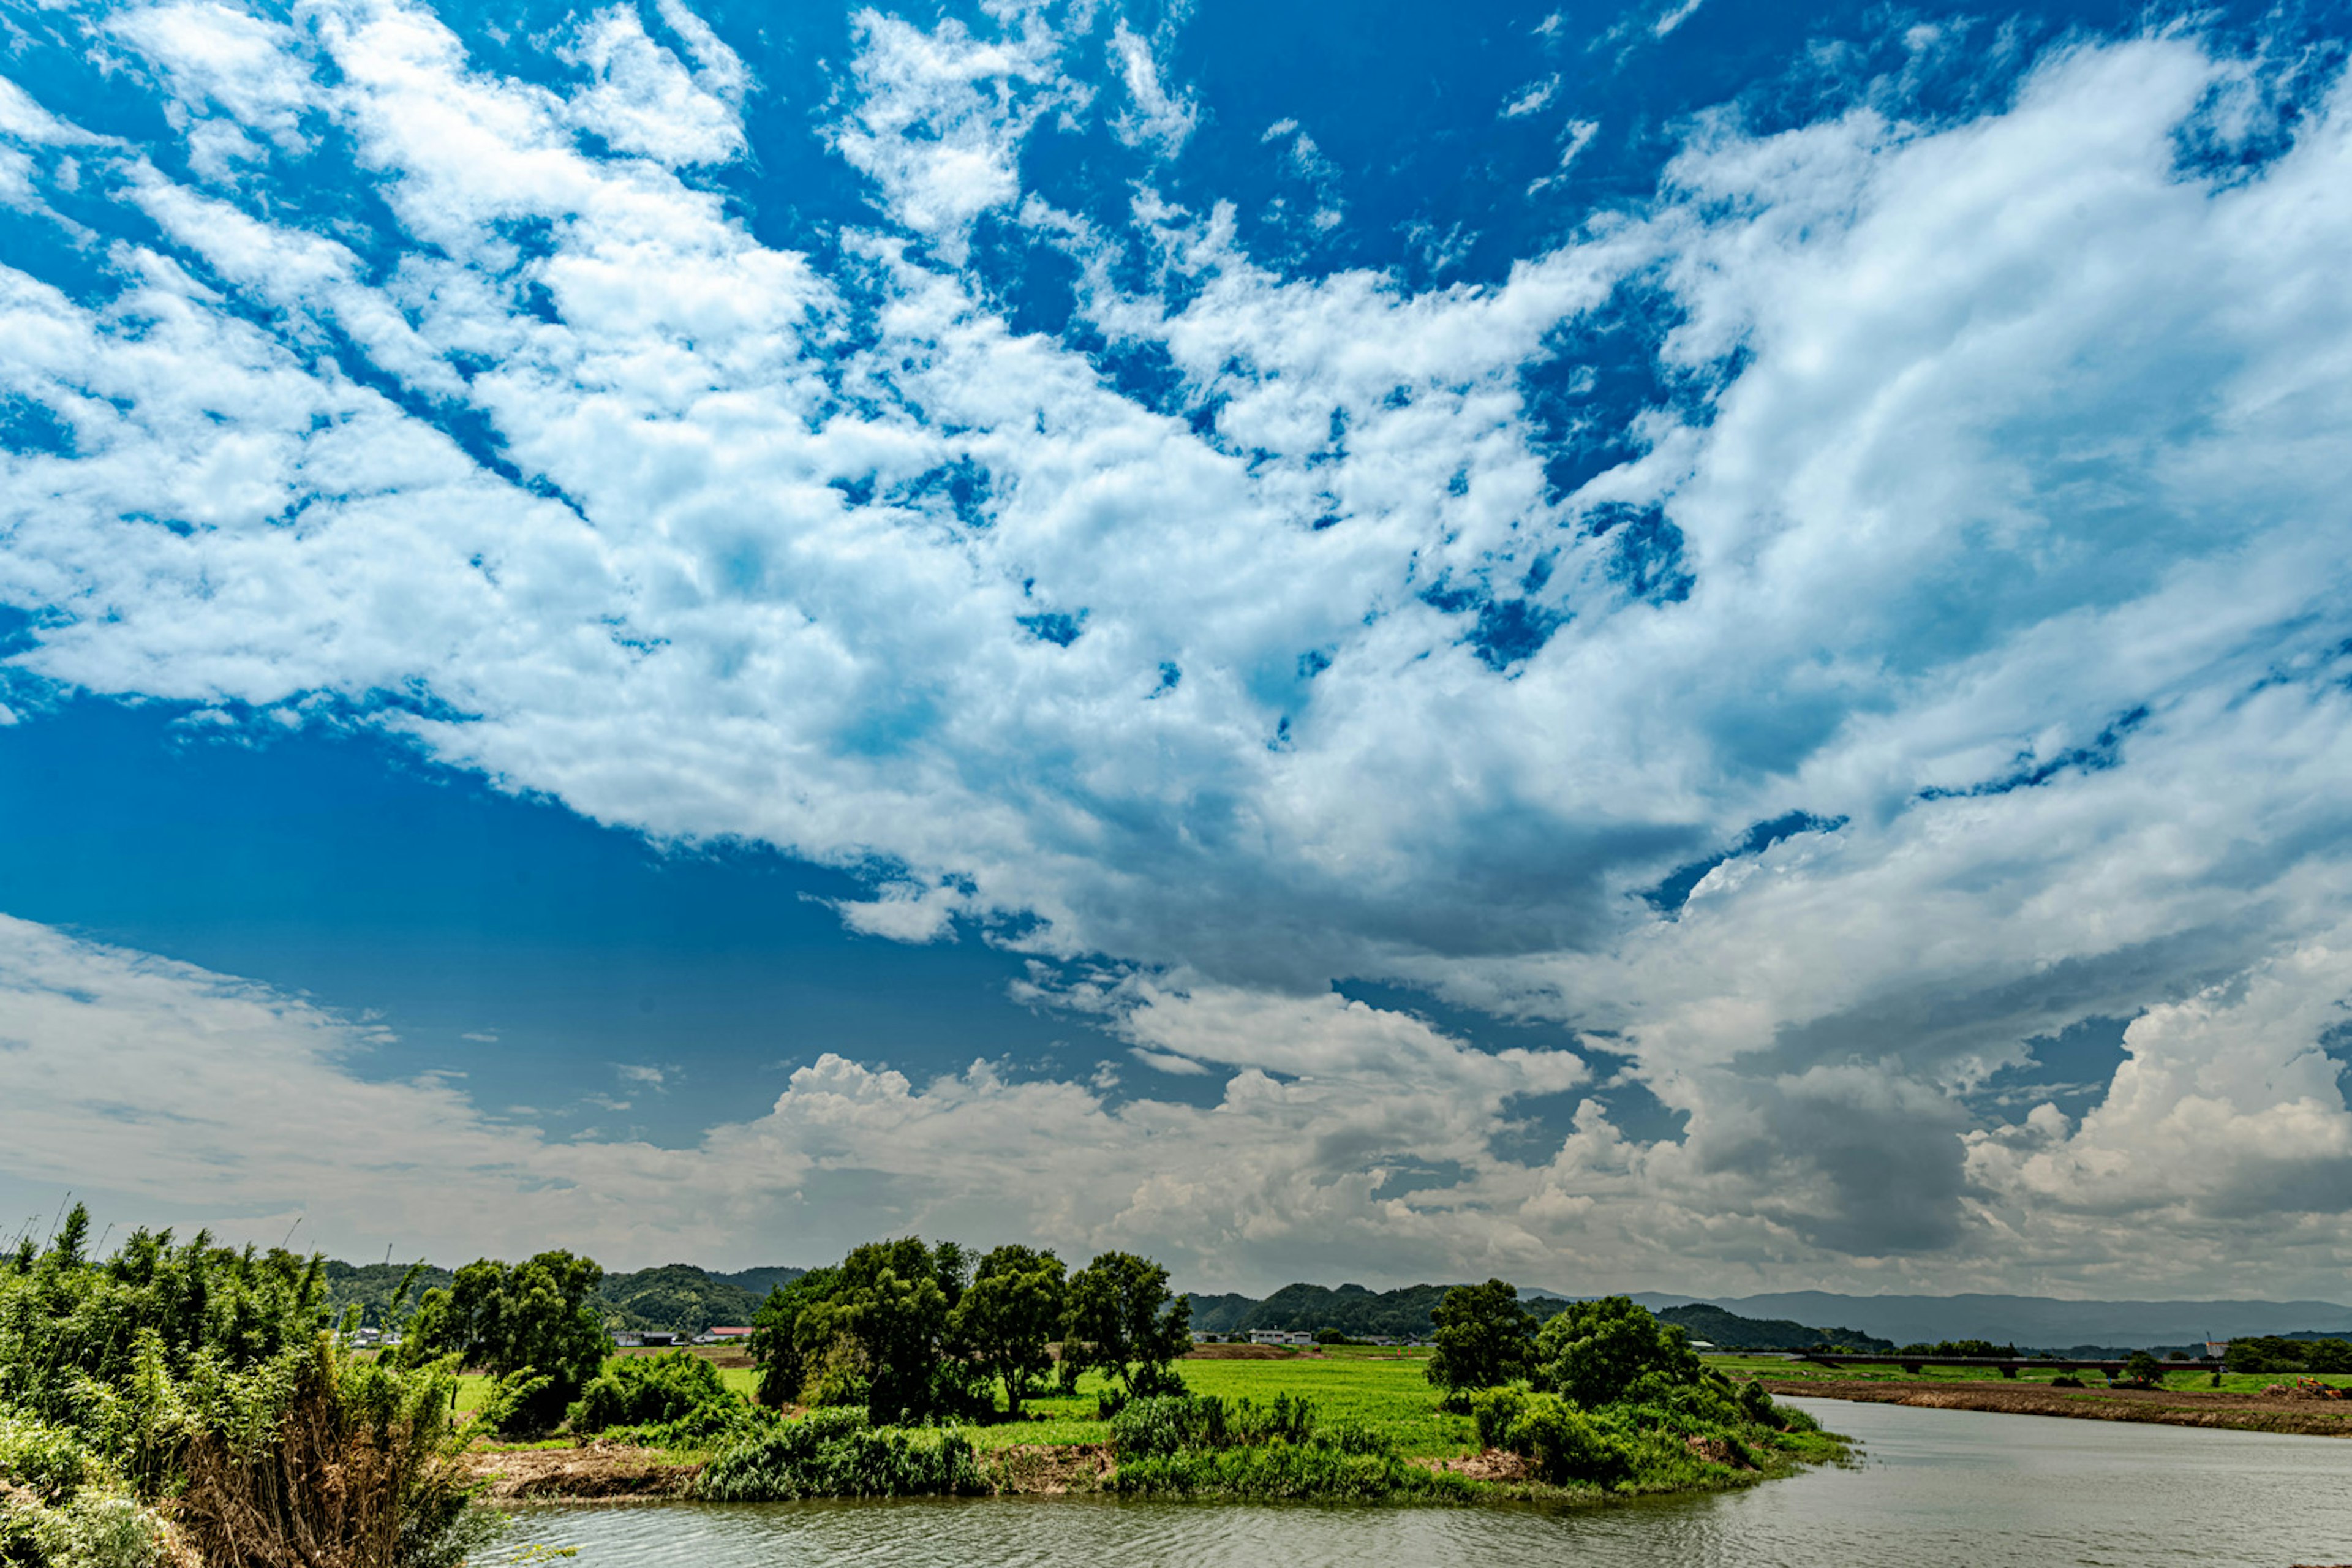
[(1951, 650)]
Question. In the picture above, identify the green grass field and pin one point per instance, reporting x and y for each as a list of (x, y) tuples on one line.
[(1382, 1387), (1799, 1371)]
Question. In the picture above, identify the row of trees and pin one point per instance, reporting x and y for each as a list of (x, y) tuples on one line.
[(915, 1332), (910, 1330), (2274, 1353), (1590, 1353)]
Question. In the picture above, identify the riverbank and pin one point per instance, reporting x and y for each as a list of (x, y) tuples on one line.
[(2226, 1409), (621, 1473)]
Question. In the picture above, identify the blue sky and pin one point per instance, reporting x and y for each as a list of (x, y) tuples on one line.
[(1665, 646)]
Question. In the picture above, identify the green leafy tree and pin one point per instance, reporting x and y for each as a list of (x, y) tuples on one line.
[(2142, 1369), (1124, 1321), (1484, 1337), (1010, 1316), (777, 1346), (886, 1328), (1592, 1352), (533, 1318)]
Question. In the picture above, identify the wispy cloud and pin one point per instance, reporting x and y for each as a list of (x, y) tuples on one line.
[(1373, 647)]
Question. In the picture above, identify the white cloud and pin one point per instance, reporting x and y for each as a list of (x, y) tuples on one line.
[(1532, 98), (1674, 18), (2005, 450), (1159, 120)]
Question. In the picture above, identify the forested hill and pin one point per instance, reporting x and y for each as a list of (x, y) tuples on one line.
[(1401, 1314), (369, 1286), (1730, 1332), (674, 1296), (1405, 1314)]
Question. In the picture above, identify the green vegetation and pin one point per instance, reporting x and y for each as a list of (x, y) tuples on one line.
[(1017, 1300), (1944, 1349), (1616, 1399), (2273, 1353), (681, 1394), (1484, 1338), (380, 1290), (838, 1453), (182, 1403), (529, 1324), (1355, 1311), (675, 1298), (917, 1333), (178, 1404), (1203, 1445), (1729, 1330), (1123, 1321)]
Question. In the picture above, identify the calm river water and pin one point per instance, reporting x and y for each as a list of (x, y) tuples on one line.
[(1933, 1487)]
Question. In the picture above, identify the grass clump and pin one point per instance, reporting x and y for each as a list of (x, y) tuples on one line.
[(838, 1453), (1199, 1445), (61, 1504), (673, 1401)]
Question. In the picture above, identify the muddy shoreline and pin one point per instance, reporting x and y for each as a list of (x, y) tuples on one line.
[(2164, 1406)]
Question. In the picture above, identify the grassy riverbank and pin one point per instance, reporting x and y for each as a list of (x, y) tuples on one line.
[(2244, 1402), (1378, 1435)]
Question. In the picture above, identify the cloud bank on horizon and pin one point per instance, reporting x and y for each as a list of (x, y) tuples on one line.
[(1835, 596)]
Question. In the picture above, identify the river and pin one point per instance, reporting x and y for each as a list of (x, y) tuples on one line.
[(1932, 1487)]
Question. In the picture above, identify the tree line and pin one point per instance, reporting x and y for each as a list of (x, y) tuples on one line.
[(914, 1332)]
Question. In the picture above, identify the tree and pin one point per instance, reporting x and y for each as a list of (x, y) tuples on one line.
[(1010, 1315), (885, 1333), (776, 1347), (1123, 1321), (1594, 1351), (529, 1318), (1483, 1336), (2142, 1369)]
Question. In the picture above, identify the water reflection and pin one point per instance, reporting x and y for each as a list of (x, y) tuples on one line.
[(1933, 1487)]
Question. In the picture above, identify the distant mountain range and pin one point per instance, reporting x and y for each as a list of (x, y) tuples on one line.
[(675, 1298), (2029, 1319), (1405, 1314)]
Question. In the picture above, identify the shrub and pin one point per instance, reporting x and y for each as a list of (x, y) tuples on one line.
[(49, 1462), (1566, 1444), (838, 1453), (644, 1391), (1173, 1423), (1144, 1428)]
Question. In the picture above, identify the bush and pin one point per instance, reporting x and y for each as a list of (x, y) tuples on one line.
[(838, 1453), (1145, 1429), (1564, 1444), (1175, 1423), (644, 1391)]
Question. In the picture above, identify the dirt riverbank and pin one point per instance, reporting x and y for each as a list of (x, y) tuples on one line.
[(601, 1471), (2165, 1406)]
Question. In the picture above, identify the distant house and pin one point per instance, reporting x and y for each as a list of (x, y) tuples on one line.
[(1280, 1337), (717, 1336)]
